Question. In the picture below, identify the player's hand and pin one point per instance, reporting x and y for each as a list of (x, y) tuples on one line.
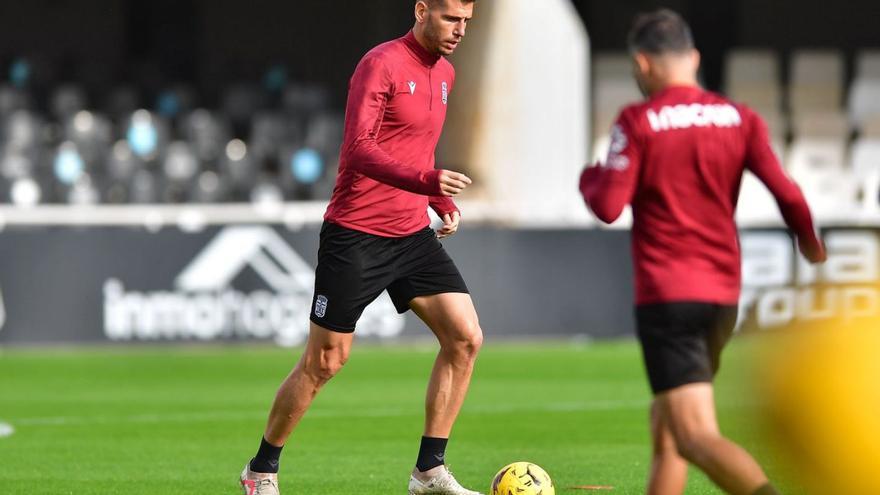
[(450, 224), (453, 183), (812, 252), (588, 177)]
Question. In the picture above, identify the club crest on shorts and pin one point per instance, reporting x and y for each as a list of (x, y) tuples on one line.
[(320, 306), (444, 92)]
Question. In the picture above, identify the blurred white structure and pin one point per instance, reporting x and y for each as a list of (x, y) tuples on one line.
[(519, 110)]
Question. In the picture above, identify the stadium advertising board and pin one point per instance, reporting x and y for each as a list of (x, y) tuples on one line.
[(781, 289), (254, 283), (204, 304)]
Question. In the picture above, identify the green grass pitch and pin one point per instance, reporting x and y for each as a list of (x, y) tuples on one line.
[(183, 420)]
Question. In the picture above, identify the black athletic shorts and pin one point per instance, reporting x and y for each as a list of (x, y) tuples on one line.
[(682, 342), (355, 267)]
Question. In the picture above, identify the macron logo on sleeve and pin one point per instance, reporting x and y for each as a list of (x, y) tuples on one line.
[(693, 115)]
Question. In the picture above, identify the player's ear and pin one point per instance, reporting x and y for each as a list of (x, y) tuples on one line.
[(695, 59), (421, 11), (641, 64)]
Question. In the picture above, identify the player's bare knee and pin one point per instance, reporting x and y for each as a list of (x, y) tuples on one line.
[(693, 445), (662, 441), (468, 340), (325, 364), (333, 363), (664, 445), (474, 338), (327, 370)]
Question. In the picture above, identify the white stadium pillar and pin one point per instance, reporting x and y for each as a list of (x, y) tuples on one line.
[(519, 114)]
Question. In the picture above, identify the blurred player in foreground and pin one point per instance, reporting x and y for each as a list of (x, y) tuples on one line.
[(376, 236), (821, 390), (678, 159)]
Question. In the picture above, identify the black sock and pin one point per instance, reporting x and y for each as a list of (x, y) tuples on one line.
[(766, 490), (432, 453), (266, 460)]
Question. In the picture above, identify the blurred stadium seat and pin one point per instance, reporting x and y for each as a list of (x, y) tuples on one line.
[(812, 155), (817, 164), (816, 81), (823, 124), (865, 156), (865, 165), (864, 100), (870, 127), (208, 133), (277, 139), (67, 100), (867, 64), (13, 99), (752, 76)]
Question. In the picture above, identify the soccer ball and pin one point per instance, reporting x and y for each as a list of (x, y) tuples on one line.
[(522, 478)]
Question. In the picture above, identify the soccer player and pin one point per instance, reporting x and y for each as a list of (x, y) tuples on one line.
[(376, 236), (678, 159)]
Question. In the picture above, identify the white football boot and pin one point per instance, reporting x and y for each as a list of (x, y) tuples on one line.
[(439, 481), (258, 483)]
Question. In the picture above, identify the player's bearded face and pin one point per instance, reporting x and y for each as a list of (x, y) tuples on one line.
[(446, 25)]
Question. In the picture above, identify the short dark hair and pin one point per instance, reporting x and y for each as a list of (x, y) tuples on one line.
[(433, 3), (659, 32)]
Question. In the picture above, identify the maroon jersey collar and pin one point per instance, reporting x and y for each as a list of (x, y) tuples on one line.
[(676, 88), (427, 58)]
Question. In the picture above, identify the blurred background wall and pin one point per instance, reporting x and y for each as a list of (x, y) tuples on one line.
[(215, 41)]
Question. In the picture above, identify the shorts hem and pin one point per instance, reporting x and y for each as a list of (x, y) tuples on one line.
[(668, 388), (332, 327), (405, 308)]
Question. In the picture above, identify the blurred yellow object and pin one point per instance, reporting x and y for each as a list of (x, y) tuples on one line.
[(823, 396)]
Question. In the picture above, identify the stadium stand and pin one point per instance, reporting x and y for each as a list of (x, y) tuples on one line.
[(62, 143), (825, 129)]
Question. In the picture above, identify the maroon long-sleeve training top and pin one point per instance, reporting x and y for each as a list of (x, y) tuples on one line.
[(396, 107), (678, 159)]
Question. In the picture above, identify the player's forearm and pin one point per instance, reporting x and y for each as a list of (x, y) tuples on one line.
[(792, 204), (797, 216), (370, 160)]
